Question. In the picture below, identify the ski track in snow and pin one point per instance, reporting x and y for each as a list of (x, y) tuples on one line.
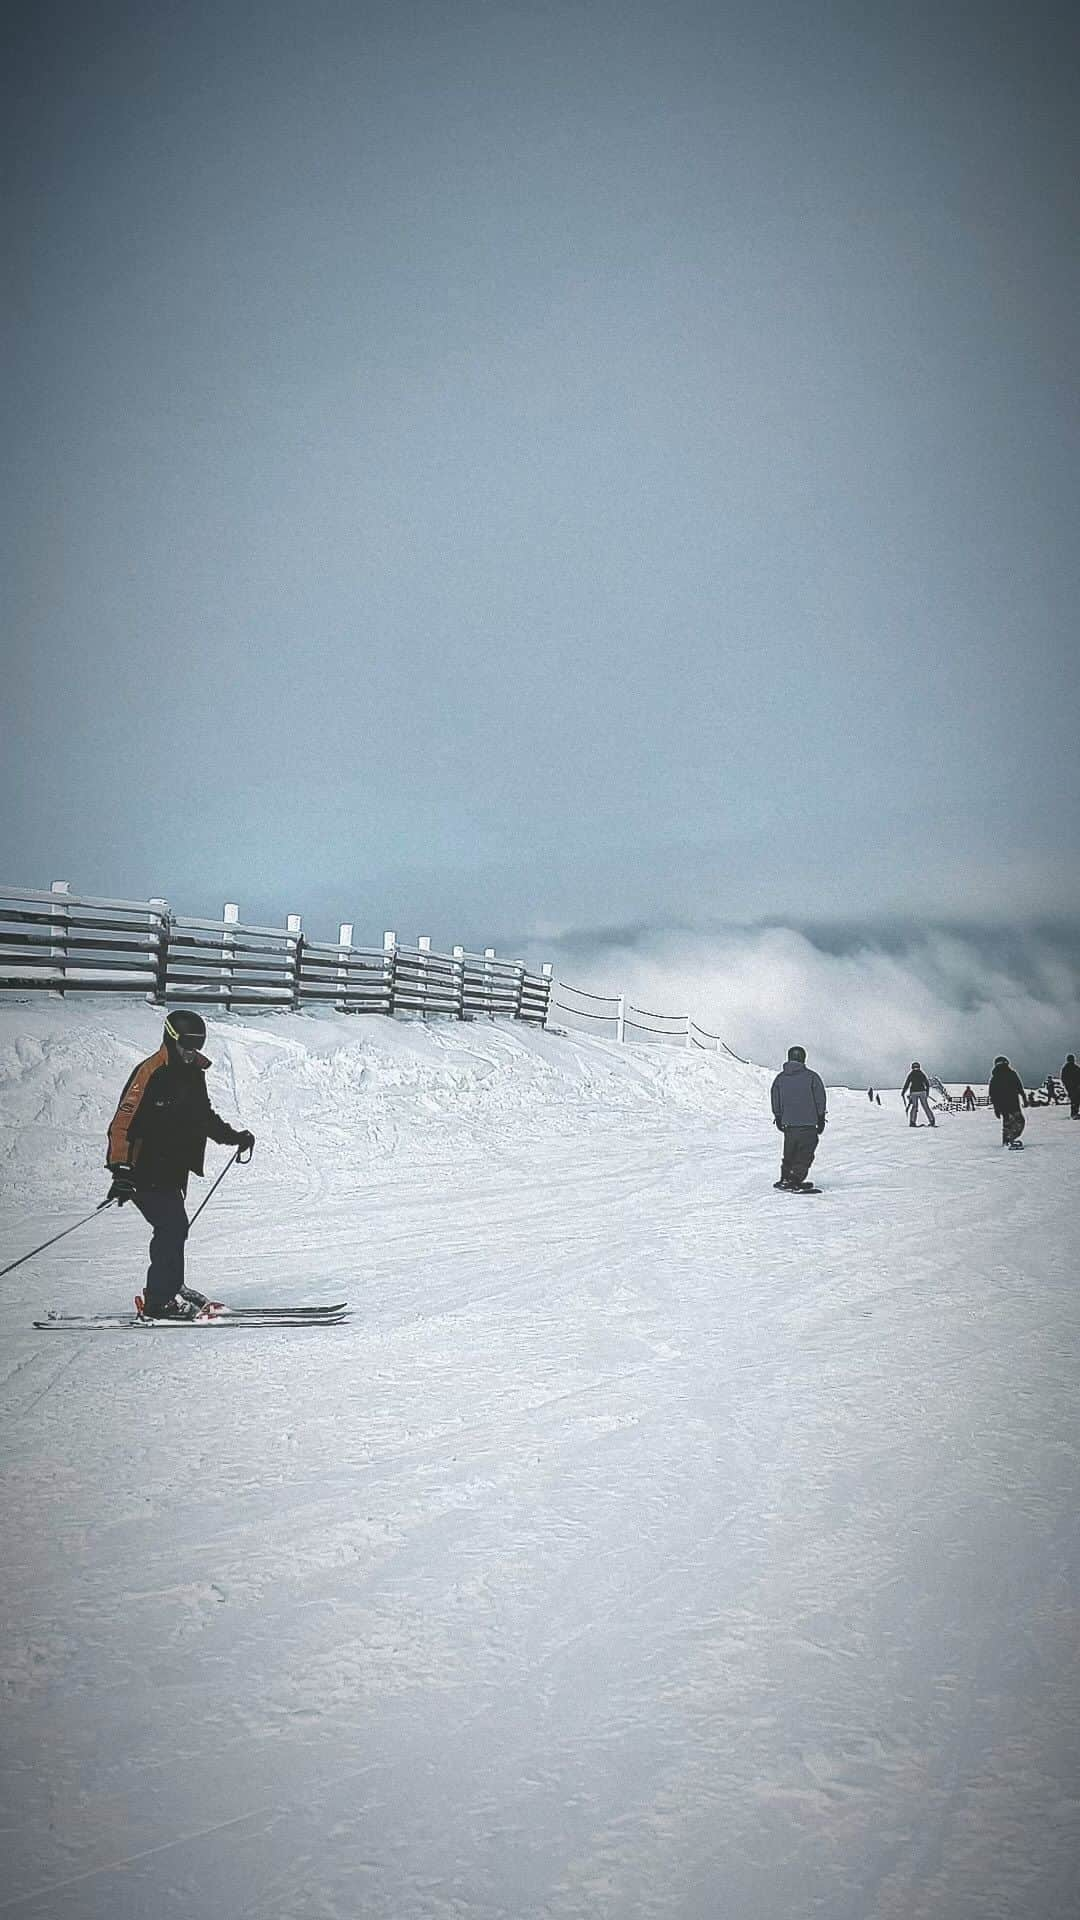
[(647, 1544)]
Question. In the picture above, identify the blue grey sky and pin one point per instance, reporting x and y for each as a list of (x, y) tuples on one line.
[(514, 471)]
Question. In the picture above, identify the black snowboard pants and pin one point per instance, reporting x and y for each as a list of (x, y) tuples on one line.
[(800, 1146), (1012, 1126), (164, 1208)]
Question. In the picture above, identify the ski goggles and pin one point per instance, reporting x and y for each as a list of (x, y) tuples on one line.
[(185, 1042)]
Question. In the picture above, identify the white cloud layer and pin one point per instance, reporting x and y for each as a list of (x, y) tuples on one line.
[(864, 1013)]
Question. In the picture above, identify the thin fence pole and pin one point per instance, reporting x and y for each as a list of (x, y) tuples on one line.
[(489, 955), (160, 920), (344, 937), (230, 915), (294, 924), (58, 951), (389, 941)]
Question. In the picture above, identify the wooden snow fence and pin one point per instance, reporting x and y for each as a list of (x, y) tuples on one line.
[(60, 942)]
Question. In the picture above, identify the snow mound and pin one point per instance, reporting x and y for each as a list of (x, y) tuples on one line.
[(346, 1090)]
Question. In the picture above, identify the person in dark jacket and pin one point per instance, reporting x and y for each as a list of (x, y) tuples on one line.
[(1008, 1099), (798, 1108), (917, 1086), (1070, 1080), (157, 1138)]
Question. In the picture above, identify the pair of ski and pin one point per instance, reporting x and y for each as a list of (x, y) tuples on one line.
[(212, 1313)]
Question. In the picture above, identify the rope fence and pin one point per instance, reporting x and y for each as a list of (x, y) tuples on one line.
[(620, 1019)]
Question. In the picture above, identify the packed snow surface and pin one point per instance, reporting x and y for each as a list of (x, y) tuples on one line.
[(647, 1544)]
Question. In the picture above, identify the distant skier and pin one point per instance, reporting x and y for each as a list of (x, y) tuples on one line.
[(1051, 1088), (1008, 1099), (157, 1138), (1070, 1080), (918, 1086), (869, 1093), (798, 1107), (969, 1098)]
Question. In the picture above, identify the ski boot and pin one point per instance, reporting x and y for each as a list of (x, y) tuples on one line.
[(176, 1309)]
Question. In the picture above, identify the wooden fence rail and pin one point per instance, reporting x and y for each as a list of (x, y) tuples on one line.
[(60, 942)]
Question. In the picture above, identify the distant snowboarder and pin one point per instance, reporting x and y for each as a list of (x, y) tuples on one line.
[(1070, 1080), (918, 1086), (157, 1138), (1008, 1099), (798, 1107), (969, 1098)]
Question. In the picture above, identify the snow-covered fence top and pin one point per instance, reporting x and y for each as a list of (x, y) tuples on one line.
[(63, 942)]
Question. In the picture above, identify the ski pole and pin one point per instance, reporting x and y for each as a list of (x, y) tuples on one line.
[(229, 1163), (57, 1236)]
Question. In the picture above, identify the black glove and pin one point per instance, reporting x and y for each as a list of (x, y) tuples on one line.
[(821, 1126), (779, 1125), (245, 1141), (123, 1185)]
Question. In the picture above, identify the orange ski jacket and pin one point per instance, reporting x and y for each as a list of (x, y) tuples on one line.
[(163, 1122)]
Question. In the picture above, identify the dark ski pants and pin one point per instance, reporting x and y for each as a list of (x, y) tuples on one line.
[(916, 1101), (1012, 1126), (800, 1146), (164, 1208)]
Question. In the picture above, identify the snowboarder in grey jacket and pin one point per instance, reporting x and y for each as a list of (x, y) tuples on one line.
[(798, 1108)]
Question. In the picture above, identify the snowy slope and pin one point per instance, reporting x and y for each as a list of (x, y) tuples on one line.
[(647, 1544)]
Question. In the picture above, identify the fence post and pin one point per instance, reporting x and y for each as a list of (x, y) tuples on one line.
[(230, 914), (620, 1018), (545, 975), (344, 939), (161, 962), (689, 1031), (294, 923), (520, 989), (459, 982), (489, 955), (423, 942), (58, 950), (389, 941)]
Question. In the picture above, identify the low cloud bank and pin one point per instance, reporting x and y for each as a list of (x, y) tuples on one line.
[(863, 1004)]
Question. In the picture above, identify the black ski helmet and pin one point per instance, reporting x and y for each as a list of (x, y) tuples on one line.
[(186, 1030)]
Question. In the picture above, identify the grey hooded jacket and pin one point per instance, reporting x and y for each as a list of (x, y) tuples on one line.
[(798, 1096)]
